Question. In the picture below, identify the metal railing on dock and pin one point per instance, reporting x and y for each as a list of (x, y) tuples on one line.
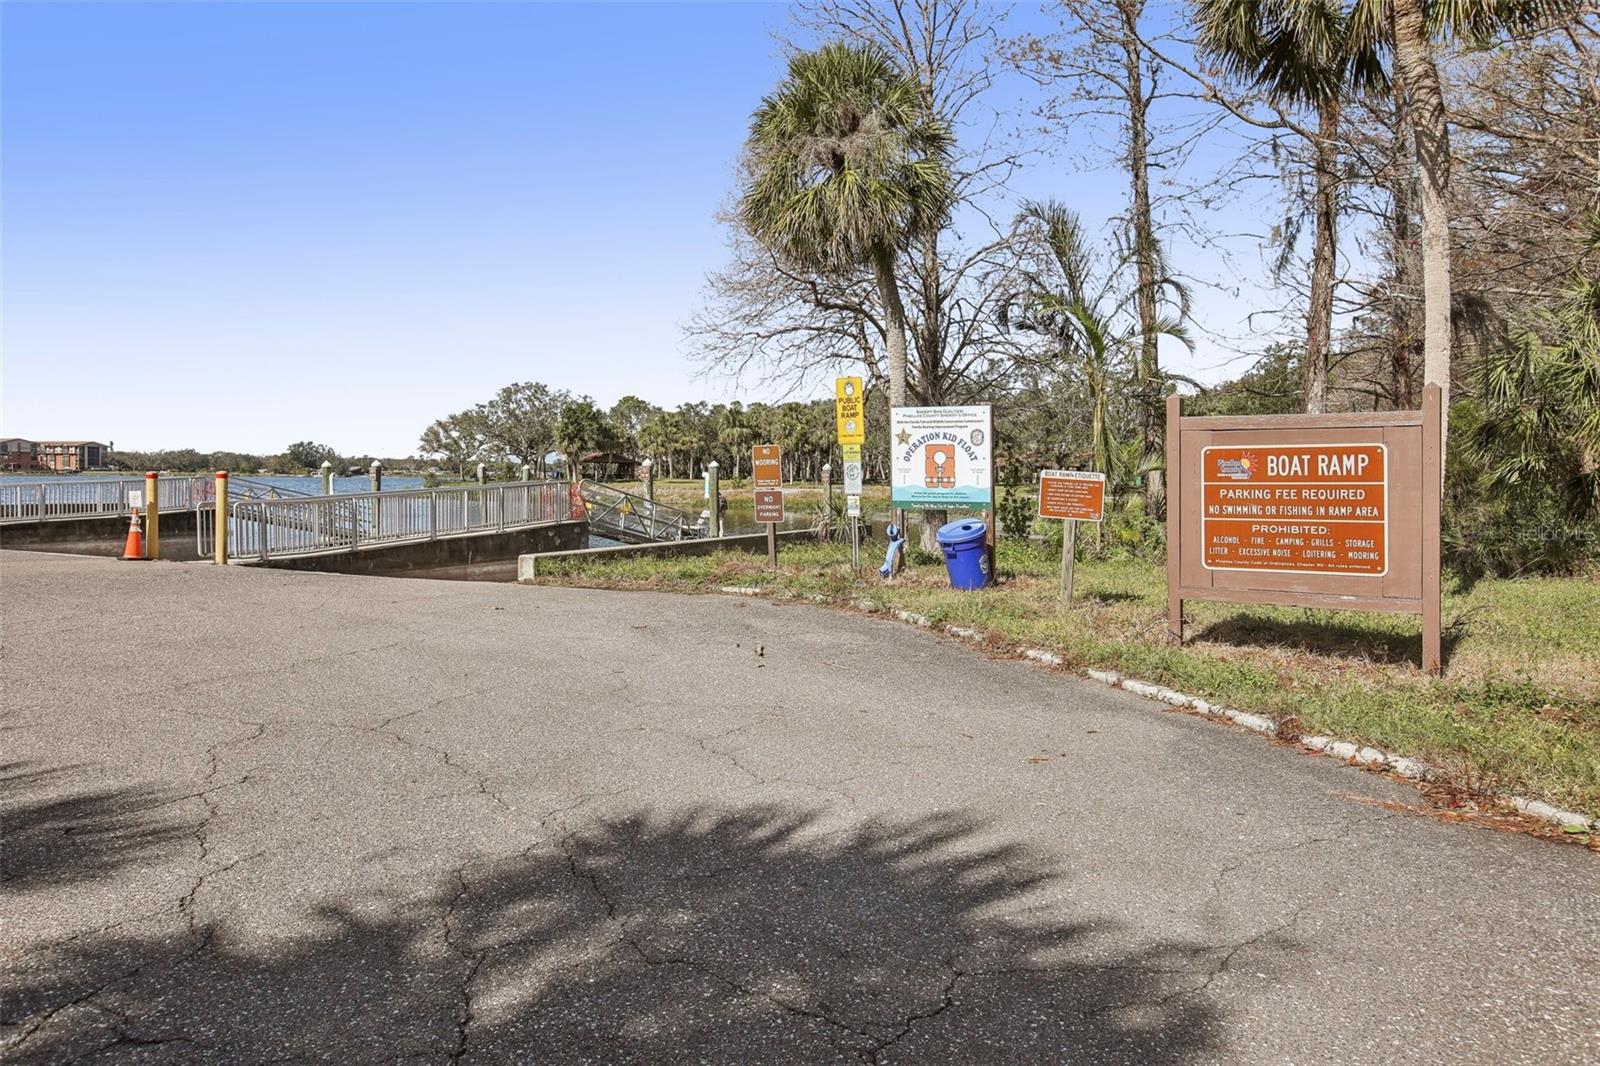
[(262, 529), (32, 501)]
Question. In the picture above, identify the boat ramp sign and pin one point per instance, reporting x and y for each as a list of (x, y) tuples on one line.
[(850, 410), (1295, 509)]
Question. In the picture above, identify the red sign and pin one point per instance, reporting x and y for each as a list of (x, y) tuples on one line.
[(1076, 495), (766, 466), (769, 505), (1295, 508)]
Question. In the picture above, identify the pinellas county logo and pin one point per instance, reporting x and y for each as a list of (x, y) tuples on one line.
[(1240, 469)]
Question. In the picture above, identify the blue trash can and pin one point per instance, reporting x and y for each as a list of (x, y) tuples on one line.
[(965, 554)]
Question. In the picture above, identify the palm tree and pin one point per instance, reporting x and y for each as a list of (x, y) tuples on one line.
[(846, 164), (1093, 323), (1411, 28), (1302, 53), (735, 433)]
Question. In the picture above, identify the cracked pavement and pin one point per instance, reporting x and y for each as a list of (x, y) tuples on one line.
[(263, 816)]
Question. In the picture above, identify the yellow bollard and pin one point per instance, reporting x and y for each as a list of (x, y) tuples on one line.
[(152, 506), (222, 518)]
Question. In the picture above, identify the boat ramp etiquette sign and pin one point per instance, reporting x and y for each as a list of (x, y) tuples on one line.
[(1075, 495), (941, 457), (1302, 509)]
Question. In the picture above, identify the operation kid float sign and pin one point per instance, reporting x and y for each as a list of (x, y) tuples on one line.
[(1335, 510), (942, 457), (1312, 509)]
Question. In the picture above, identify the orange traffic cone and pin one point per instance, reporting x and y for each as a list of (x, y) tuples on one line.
[(134, 548)]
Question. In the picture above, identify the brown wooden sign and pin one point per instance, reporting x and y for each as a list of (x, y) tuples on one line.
[(766, 466), (769, 505), (1308, 510), (1076, 495)]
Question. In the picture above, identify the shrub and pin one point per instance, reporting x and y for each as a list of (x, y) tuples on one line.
[(1015, 512)]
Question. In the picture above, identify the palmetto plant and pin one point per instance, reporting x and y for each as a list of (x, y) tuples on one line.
[(1541, 391), (1090, 317), (846, 164)]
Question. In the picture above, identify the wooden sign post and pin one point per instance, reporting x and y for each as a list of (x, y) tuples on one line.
[(1073, 496), (1336, 511)]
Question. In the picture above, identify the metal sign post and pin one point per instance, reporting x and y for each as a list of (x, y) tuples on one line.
[(852, 508), (1073, 496)]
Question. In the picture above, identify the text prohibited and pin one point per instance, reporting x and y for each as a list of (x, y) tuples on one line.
[(1312, 509), (1076, 495), (769, 505)]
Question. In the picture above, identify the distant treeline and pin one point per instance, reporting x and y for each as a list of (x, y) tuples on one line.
[(303, 457)]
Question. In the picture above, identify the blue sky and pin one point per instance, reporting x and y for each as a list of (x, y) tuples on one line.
[(241, 225)]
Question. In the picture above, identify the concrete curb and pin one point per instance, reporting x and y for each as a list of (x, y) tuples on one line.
[(1345, 751)]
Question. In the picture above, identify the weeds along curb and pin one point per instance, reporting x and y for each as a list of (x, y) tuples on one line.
[(1345, 751)]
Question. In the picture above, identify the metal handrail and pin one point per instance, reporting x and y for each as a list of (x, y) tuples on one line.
[(262, 529), (244, 488), (618, 513), (32, 501)]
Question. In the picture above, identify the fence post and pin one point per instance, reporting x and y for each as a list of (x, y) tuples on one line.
[(713, 504), (377, 502), (327, 478), (220, 510), (152, 503), (41, 500)]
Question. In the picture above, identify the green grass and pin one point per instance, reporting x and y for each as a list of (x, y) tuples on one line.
[(1518, 709)]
